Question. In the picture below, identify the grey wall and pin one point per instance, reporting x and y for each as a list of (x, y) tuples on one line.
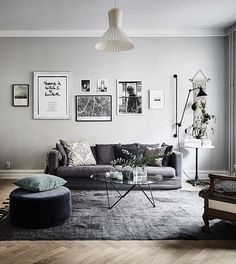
[(24, 141)]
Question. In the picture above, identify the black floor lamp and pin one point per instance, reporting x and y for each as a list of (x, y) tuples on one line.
[(200, 93)]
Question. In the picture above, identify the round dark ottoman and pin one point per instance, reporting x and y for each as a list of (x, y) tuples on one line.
[(40, 209)]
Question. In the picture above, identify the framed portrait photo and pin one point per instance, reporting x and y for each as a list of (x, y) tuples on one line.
[(52, 95), (91, 108), (156, 99), (85, 86), (20, 95), (129, 97), (102, 85)]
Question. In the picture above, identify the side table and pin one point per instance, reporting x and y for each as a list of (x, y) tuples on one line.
[(197, 181)]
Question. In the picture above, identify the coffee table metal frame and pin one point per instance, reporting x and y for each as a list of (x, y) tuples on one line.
[(132, 186)]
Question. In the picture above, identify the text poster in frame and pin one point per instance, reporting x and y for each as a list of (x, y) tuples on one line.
[(52, 95)]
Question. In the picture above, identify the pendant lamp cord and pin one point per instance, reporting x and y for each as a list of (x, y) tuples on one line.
[(115, 3)]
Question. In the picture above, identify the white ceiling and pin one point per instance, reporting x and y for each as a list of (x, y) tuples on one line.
[(89, 17)]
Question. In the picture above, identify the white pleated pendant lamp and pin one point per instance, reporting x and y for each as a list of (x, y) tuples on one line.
[(115, 39)]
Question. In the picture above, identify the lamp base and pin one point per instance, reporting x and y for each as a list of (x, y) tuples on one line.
[(197, 182)]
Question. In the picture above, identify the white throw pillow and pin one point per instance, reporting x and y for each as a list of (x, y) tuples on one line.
[(79, 153)]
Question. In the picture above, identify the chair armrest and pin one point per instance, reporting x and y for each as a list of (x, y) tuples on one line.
[(176, 162), (53, 162)]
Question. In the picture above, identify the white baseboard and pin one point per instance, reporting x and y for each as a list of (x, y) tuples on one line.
[(18, 174), (203, 174)]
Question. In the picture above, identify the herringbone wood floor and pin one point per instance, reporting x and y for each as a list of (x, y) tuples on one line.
[(147, 252)]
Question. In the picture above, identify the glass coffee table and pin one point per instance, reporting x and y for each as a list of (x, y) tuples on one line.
[(108, 179)]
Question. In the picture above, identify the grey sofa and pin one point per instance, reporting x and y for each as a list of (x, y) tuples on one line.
[(78, 177)]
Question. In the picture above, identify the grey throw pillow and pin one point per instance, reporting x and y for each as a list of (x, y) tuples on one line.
[(105, 153), (63, 154), (78, 153), (155, 155), (40, 182), (168, 152)]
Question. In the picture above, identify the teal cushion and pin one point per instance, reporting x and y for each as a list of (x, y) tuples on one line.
[(40, 182)]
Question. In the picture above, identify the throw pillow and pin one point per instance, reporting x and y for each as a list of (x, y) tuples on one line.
[(155, 152), (150, 145), (138, 152), (105, 153), (40, 183), (166, 159), (78, 153), (63, 154)]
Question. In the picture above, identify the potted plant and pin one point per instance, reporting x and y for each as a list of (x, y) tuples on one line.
[(135, 165)]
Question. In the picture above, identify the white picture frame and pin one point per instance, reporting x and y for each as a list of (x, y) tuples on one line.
[(129, 97), (85, 86), (102, 85), (52, 95), (156, 99)]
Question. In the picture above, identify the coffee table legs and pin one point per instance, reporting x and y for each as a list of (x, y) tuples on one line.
[(150, 200), (130, 189)]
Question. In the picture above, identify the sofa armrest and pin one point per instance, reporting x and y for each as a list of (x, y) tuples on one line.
[(53, 162), (176, 162)]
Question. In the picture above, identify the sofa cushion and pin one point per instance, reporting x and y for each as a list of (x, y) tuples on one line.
[(132, 145), (166, 172), (78, 153), (120, 154), (166, 159), (60, 148), (105, 153), (155, 152), (94, 151), (82, 171), (150, 145)]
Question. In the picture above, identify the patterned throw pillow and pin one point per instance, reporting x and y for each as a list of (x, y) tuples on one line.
[(155, 152), (78, 153)]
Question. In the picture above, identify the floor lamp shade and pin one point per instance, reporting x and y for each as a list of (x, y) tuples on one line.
[(115, 39)]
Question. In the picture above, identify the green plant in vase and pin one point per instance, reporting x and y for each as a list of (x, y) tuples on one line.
[(135, 164)]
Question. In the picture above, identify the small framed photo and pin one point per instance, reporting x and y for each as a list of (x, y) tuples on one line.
[(85, 86), (156, 99), (129, 97), (102, 85), (20, 95), (93, 108)]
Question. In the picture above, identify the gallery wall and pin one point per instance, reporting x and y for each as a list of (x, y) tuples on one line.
[(25, 141)]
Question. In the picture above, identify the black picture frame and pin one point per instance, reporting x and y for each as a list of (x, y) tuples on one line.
[(95, 105), (20, 95)]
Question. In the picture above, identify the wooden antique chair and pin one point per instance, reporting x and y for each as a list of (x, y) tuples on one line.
[(219, 200)]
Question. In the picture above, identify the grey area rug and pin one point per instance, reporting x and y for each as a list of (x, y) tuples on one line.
[(177, 216)]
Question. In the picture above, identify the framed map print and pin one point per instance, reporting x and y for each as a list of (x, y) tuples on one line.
[(52, 98), (93, 108)]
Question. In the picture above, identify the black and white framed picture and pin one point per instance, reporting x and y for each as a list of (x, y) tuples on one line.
[(85, 86), (20, 95), (52, 95), (93, 108), (156, 99), (102, 85), (129, 97)]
